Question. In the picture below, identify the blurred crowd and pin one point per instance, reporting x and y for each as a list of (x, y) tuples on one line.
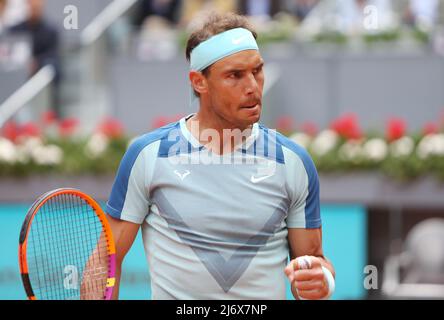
[(158, 20), (180, 12), (27, 17)]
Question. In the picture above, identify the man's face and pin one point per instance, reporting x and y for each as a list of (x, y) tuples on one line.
[(36, 8), (235, 86)]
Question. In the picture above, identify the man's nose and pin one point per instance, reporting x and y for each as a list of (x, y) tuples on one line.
[(251, 85)]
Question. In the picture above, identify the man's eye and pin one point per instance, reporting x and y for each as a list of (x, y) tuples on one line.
[(235, 75)]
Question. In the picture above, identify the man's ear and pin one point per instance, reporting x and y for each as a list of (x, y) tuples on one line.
[(198, 81)]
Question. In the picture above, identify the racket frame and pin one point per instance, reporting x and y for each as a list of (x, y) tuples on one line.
[(24, 232)]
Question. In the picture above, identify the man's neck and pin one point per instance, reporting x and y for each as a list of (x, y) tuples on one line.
[(228, 139)]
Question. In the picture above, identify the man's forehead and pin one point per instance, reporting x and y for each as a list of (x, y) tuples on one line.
[(241, 60)]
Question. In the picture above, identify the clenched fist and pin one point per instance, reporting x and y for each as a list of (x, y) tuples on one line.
[(308, 278)]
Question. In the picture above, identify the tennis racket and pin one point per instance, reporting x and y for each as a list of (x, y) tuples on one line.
[(66, 249)]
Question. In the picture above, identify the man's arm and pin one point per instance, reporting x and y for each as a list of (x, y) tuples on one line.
[(124, 233), (310, 283)]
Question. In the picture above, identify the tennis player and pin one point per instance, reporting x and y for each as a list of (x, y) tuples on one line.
[(222, 200)]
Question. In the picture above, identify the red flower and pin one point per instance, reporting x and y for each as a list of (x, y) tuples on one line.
[(430, 128), (30, 129), (11, 131), (159, 122), (112, 128), (68, 126), (285, 124), (48, 118), (396, 129), (177, 117), (162, 121), (310, 128), (347, 126)]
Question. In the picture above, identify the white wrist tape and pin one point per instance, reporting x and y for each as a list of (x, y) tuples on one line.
[(304, 262), (330, 281)]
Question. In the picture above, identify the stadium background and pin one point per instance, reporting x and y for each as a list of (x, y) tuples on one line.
[(339, 74)]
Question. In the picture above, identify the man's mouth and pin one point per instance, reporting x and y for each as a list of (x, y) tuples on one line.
[(251, 106)]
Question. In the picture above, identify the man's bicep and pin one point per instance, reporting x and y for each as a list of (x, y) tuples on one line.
[(124, 233), (129, 199), (305, 242), (304, 210)]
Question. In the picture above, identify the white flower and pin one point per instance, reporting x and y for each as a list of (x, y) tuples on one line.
[(425, 147), (96, 145), (301, 139), (30, 143), (25, 148), (375, 149), (8, 152), (23, 156), (47, 155), (431, 145), (402, 147), (351, 151), (325, 142), (438, 145)]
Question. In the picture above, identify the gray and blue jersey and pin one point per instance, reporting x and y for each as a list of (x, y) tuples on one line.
[(215, 226)]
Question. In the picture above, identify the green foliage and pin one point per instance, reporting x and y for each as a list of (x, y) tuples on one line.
[(75, 160), (404, 168), (420, 35), (371, 39), (401, 168), (334, 37), (387, 36)]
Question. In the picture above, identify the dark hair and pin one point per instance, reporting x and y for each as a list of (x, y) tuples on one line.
[(215, 24)]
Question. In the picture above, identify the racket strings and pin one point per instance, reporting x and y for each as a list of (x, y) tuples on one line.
[(67, 250)]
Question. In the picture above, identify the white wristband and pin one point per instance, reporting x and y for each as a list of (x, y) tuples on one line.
[(330, 282)]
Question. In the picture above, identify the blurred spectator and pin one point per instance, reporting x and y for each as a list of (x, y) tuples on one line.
[(157, 40), (167, 9), (353, 14), (260, 8), (14, 52), (45, 42), (422, 13), (351, 17), (197, 10), (11, 12), (301, 8), (2, 12), (44, 36)]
